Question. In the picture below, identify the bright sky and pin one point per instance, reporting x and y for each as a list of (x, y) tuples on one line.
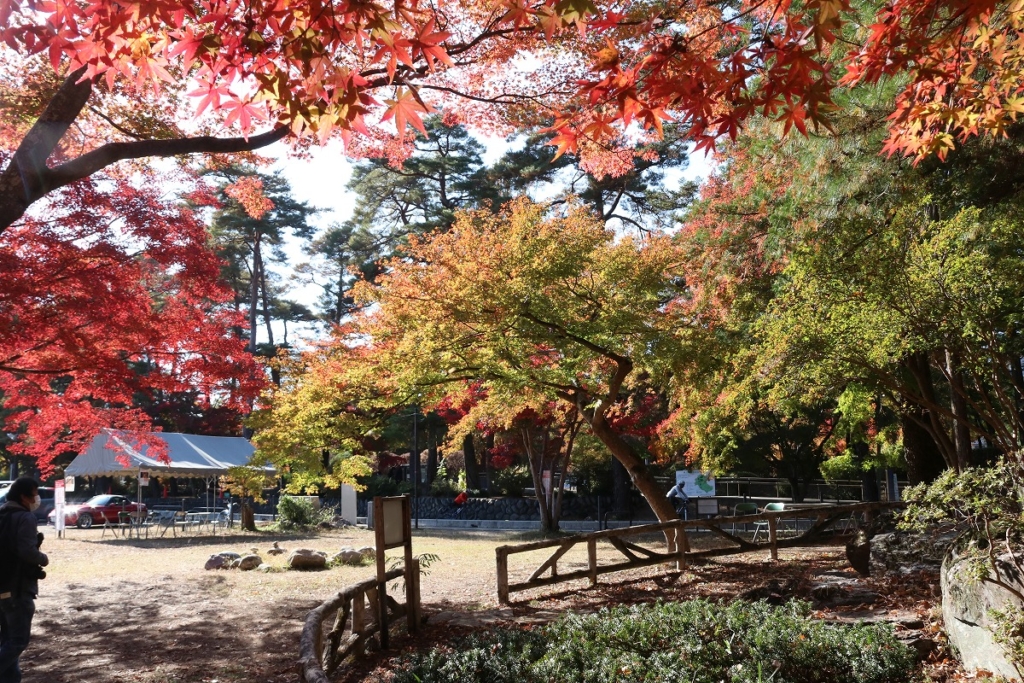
[(321, 179)]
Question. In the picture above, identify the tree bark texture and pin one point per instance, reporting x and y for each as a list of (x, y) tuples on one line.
[(924, 461), (28, 178)]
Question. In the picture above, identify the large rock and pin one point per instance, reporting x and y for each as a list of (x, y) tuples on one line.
[(249, 562), (221, 560), (304, 558), (348, 556), (908, 552), (967, 606)]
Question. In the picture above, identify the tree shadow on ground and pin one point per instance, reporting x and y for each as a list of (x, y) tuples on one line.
[(131, 631)]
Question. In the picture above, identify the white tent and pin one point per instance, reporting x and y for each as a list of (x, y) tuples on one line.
[(113, 453)]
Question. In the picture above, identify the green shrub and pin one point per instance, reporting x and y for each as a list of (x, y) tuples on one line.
[(443, 488), (695, 641), (512, 480), (379, 485), (295, 512)]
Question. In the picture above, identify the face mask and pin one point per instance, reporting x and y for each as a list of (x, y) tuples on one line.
[(36, 502)]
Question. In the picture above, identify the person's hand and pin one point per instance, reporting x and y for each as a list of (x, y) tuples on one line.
[(39, 539)]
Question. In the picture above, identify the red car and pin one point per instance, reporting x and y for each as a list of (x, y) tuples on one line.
[(99, 509)]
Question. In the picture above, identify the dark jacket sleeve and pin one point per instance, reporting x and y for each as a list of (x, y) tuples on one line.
[(25, 530)]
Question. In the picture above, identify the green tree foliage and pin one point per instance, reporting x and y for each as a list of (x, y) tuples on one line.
[(900, 279), (256, 212)]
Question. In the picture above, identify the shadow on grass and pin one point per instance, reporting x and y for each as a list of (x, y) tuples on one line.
[(135, 631)]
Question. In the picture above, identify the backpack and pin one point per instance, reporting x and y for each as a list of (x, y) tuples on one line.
[(10, 564)]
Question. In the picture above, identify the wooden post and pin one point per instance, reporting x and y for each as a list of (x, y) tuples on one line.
[(592, 560), (773, 523), (412, 594), (501, 555), (412, 567), (382, 585), (358, 620), (682, 547)]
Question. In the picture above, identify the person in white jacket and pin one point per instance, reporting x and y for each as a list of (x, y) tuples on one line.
[(677, 496)]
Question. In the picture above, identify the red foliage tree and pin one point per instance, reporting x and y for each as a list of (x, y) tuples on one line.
[(109, 294)]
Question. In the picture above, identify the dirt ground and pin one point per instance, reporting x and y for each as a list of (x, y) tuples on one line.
[(146, 611)]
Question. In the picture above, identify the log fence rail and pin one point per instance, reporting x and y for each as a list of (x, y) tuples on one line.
[(677, 550)]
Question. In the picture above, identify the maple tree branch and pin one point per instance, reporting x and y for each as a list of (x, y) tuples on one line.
[(24, 180), (585, 343), (111, 153), (27, 178)]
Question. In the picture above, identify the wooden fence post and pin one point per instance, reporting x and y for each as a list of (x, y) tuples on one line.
[(412, 595), (682, 547), (502, 558), (773, 538), (592, 560), (358, 620)]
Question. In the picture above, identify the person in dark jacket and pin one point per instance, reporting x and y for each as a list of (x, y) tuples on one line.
[(21, 565)]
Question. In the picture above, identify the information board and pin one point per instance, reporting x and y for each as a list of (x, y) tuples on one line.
[(696, 484)]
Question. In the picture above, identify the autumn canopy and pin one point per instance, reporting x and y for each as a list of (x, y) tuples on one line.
[(106, 290)]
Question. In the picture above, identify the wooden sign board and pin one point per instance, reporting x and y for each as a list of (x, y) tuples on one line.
[(392, 514), (392, 526)]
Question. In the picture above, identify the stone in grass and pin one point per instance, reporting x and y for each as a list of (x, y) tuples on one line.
[(249, 562), (367, 552), (265, 568), (221, 560), (276, 550), (304, 558), (348, 556)]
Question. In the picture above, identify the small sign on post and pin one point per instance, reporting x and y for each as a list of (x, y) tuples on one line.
[(58, 507), (393, 529)]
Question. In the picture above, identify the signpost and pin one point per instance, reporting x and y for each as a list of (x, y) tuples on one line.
[(392, 526), (58, 507)]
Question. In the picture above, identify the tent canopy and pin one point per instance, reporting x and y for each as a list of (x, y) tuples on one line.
[(114, 453)]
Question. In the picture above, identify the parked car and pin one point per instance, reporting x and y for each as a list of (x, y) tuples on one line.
[(98, 510), (45, 502)]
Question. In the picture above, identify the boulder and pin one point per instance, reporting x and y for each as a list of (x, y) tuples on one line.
[(304, 558), (858, 553), (909, 552), (348, 556), (265, 568), (967, 606), (367, 552), (221, 560), (249, 562)]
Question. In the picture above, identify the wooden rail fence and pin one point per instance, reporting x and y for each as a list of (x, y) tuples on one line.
[(359, 613), (677, 553)]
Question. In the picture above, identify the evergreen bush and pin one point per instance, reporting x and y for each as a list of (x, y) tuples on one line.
[(696, 641)]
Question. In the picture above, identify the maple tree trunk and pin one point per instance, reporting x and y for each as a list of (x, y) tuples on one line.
[(924, 461), (27, 178), (248, 516), (920, 367), (472, 471), (958, 405), (638, 472), (431, 453)]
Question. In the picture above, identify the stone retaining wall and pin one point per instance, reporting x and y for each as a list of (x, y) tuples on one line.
[(514, 509)]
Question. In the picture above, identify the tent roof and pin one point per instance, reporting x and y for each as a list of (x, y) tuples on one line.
[(112, 453)]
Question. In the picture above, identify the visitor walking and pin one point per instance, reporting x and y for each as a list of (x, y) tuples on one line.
[(680, 501)]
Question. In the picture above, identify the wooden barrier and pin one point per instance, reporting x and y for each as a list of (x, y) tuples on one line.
[(358, 610), (677, 552)]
